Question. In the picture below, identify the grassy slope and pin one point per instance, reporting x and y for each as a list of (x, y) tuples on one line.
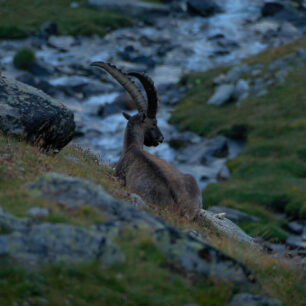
[(269, 174), (143, 278), (20, 18)]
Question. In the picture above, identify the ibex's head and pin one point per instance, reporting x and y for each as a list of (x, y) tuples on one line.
[(146, 116)]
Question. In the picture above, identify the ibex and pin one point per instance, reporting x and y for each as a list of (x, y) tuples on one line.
[(142, 173)]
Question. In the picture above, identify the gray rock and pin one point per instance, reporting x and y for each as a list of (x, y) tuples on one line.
[(225, 227), (248, 299), (271, 8), (72, 193), (194, 256), (295, 227), (203, 8), (296, 242), (223, 94), (259, 84), (38, 212), (32, 115), (256, 73), (233, 214), (289, 30), (182, 249), (204, 153), (58, 242), (266, 26), (241, 90), (220, 79), (122, 102), (234, 74), (224, 173), (281, 75), (137, 200), (199, 236), (49, 28), (70, 85), (63, 43), (217, 147), (10, 223)]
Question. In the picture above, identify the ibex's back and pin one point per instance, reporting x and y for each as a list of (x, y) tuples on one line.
[(152, 178)]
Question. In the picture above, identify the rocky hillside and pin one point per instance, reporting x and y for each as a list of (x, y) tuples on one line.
[(69, 233), (261, 102)]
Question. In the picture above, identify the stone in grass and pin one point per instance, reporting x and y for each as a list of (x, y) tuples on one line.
[(194, 256), (34, 243), (58, 242), (241, 90), (248, 299), (223, 94), (295, 227), (38, 212), (225, 227), (233, 214), (32, 115), (72, 193)]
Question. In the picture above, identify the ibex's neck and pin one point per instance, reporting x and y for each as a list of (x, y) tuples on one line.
[(134, 136)]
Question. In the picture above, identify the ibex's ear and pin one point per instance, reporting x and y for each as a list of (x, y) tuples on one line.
[(143, 117), (126, 116)]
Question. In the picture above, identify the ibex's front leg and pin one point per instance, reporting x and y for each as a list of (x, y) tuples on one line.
[(120, 172)]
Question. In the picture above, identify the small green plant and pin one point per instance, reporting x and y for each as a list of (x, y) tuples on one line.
[(24, 59)]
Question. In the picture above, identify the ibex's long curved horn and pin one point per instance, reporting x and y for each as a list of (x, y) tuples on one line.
[(126, 83), (151, 92)]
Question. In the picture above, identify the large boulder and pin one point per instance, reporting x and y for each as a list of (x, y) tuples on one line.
[(195, 256), (73, 193), (32, 115), (203, 8), (33, 243), (185, 251)]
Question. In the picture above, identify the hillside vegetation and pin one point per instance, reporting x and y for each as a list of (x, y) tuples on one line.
[(24, 17), (145, 277), (269, 175)]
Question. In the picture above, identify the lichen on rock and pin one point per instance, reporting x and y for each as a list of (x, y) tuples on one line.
[(32, 115)]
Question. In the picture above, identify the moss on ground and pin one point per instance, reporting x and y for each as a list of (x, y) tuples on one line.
[(24, 17), (145, 278), (269, 175)]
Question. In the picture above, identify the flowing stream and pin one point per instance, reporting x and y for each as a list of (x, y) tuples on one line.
[(166, 50)]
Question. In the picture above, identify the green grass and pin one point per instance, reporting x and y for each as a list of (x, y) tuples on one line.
[(20, 18), (142, 280), (145, 278), (270, 173)]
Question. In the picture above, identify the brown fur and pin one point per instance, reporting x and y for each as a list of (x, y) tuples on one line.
[(152, 178)]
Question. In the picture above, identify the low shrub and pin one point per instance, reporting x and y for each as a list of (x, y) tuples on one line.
[(24, 59)]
